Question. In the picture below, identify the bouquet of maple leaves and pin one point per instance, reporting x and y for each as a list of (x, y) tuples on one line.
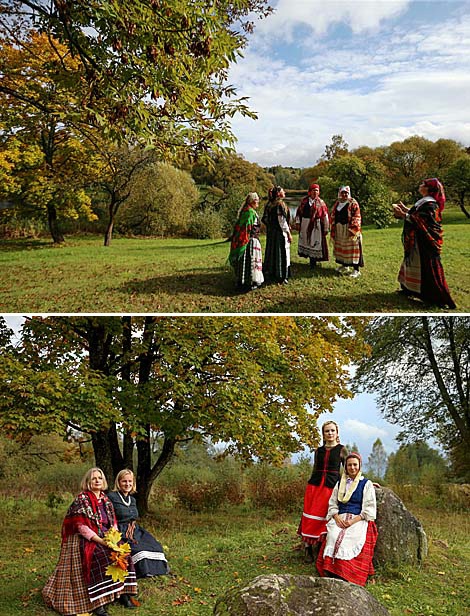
[(119, 555)]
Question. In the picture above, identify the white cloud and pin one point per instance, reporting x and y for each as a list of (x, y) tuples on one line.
[(375, 90), (318, 15), (360, 429)]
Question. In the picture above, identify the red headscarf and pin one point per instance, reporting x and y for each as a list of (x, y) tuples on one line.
[(436, 190), (312, 186)]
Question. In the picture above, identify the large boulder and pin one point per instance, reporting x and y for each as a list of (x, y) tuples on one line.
[(298, 595), (401, 538)]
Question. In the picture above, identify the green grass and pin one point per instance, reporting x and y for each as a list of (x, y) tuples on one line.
[(210, 553), (184, 275)]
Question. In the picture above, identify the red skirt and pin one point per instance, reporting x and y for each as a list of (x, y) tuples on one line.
[(313, 522), (356, 570)]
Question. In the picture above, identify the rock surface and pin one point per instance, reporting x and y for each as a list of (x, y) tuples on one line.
[(298, 595), (401, 538)]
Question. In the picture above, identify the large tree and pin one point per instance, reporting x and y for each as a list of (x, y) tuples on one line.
[(151, 69), (255, 384), (419, 369), (457, 180), (39, 96)]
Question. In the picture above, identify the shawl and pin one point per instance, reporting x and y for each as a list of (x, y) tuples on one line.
[(241, 233), (423, 218), (85, 511), (343, 494), (354, 217)]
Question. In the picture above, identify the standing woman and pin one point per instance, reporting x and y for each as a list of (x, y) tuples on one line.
[(421, 272), (245, 250), (348, 549), (328, 462), (79, 583), (276, 218), (146, 552), (313, 223), (346, 233)]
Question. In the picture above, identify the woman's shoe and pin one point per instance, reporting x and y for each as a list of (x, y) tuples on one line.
[(100, 611), (125, 600)]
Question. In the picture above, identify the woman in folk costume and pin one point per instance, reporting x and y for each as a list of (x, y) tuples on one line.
[(346, 233), (146, 552), (276, 218), (421, 273), (79, 583), (313, 224), (245, 250), (348, 549), (328, 463)]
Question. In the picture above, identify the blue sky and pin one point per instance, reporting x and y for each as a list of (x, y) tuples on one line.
[(359, 419), (374, 71)]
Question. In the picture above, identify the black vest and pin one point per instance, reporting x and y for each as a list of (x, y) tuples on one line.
[(329, 468)]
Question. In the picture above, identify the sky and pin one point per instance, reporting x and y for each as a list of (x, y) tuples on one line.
[(359, 419), (373, 71)]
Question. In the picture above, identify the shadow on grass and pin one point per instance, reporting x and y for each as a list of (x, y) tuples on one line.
[(359, 303), (25, 244), (213, 282)]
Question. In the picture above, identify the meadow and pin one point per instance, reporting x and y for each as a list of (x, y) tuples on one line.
[(192, 276), (210, 552)]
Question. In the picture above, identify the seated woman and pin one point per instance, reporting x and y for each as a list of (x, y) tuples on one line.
[(347, 551), (147, 553), (79, 583)]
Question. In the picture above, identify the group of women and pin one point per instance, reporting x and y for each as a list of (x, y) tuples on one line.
[(338, 520), (81, 582), (421, 273), (337, 528)]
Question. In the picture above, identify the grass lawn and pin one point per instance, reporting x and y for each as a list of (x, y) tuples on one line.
[(184, 275), (210, 553)]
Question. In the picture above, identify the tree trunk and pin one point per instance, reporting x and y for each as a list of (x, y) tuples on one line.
[(128, 443), (109, 232), (462, 205), (147, 475), (53, 223), (102, 451)]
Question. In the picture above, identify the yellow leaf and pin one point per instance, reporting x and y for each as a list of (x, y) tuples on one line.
[(118, 574)]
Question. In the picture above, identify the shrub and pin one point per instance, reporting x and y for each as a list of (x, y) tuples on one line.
[(206, 224), (279, 489), (200, 496)]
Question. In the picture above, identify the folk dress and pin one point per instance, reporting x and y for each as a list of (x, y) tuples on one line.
[(421, 272), (347, 553), (245, 249), (146, 552), (276, 218), (312, 218), (346, 233), (328, 462), (79, 583)]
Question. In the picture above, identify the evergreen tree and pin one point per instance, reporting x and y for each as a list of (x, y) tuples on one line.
[(377, 460)]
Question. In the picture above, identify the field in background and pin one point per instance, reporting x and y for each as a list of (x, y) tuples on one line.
[(183, 275)]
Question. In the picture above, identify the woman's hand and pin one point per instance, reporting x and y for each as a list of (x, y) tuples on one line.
[(340, 522)]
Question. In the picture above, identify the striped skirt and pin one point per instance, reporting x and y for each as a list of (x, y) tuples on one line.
[(313, 522), (66, 591), (348, 553), (347, 251)]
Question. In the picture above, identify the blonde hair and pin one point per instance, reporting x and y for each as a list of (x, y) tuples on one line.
[(337, 430), (85, 483), (120, 475)]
